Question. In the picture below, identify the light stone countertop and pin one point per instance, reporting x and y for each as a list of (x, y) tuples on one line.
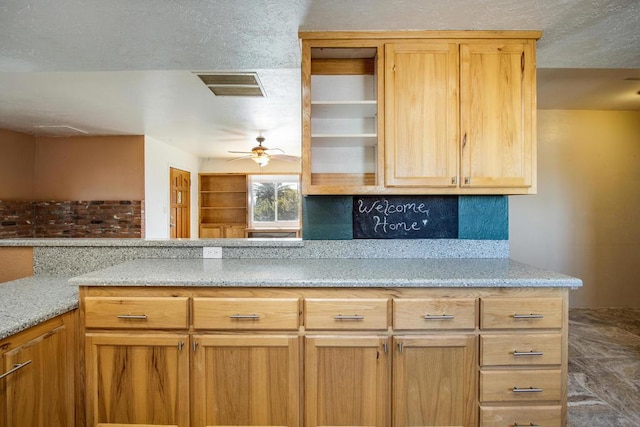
[(32, 300), (327, 272)]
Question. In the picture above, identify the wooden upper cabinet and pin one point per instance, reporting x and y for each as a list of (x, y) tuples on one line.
[(497, 111), (438, 112), (421, 95)]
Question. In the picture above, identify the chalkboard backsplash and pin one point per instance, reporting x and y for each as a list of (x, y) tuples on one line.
[(332, 217), (405, 217)]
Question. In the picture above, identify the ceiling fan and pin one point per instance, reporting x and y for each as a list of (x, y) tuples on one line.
[(262, 155)]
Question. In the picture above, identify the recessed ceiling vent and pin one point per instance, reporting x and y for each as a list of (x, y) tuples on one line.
[(233, 84)]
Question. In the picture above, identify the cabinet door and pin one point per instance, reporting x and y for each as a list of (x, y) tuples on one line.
[(497, 112), (246, 380), (234, 231), (38, 389), (421, 110), (346, 381), (434, 381), (137, 379)]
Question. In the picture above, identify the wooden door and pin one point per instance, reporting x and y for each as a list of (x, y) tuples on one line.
[(346, 381), (434, 381), (179, 221), (136, 379), (497, 111), (421, 110), (246, 380), (39, 391)]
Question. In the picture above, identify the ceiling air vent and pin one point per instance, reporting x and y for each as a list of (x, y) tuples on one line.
[(233, 84)]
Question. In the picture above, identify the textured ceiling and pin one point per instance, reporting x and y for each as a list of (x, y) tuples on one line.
[(124, 66)]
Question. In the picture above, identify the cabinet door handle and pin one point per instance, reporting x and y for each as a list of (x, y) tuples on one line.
[(528, 425), (439, 317), (245, 316), (348, 317), (132, 316), (527, 390), (517, 353), (528, 316), (464, 140), (16, 367)]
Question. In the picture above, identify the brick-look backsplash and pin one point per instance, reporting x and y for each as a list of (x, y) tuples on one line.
[(16, 219), (78, 219)]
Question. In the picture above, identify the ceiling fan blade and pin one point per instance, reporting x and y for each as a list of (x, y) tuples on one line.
[(239, 152), (274, 149), (285, 157), (239, 158)]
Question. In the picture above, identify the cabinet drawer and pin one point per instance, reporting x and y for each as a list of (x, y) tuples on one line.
[(513, 386), (136, 312), (434, 313), (343, 314), (521, 349), (547, 416), (245, 313), (520, 313)]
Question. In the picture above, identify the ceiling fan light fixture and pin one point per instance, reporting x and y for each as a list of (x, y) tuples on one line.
[(261, 158)]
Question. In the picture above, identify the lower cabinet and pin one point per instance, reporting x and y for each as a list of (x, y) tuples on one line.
[(246, 380), (346, 381), (37, 375), (324, 357), (434, 380), (137, 379)]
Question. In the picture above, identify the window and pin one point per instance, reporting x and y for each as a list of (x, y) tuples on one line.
[(274, 201)]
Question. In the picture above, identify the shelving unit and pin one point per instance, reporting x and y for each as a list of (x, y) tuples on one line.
[(223, 205), (342, 141)]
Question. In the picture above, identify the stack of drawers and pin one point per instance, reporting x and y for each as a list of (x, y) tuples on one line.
[(521, 380)]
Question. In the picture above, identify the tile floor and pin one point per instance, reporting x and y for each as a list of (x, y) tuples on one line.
[(604, 367)]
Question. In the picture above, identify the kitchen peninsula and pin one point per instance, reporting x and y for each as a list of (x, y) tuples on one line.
[(290, 340), (289, 330)]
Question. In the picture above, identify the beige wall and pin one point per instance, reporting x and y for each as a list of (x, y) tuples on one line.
[(17, 152), (76, 168), (89, 168), (585, 219)]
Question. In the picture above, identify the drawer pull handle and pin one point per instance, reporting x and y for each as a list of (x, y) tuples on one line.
[(528, 353), (348, 317), (132, 316), (16, 367), (527, 390), (439, 317), (528, 316), (527, 425), (245, 316)]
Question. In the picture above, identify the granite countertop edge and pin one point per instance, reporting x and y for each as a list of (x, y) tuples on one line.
[(327, 272), (32, 300)]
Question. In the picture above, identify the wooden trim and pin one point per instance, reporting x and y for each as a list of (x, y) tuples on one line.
[(347, 66), (427, 34), (17, 262)]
